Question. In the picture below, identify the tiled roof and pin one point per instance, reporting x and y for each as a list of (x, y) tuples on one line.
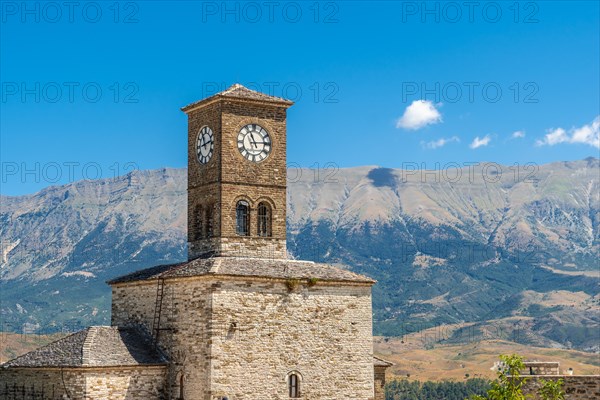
[(96, 346), (238, 91), (245, 266), (379, 362)]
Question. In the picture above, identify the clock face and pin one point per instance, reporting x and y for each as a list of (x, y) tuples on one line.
[(254, 142), (205, 145)]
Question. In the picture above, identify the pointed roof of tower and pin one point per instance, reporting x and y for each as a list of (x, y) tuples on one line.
[(239, 92)]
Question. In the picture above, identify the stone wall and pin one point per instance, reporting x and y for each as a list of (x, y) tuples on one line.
[(126, 383), (271, 171), (241, 337), (576, 387), (134, 304), (541, 368), (262, 332), (184, 334), (51, 381), (87, 383), (380, 383)]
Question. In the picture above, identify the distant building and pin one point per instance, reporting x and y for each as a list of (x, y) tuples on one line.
[(238, 320), (575, 386)]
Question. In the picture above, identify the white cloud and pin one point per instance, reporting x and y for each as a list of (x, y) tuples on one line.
[(554, 136), (441, 142), (480, 142), (418, 115), (518, 134), (587, 134)]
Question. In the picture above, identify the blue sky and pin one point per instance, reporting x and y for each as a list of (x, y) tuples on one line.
[(95, 90)]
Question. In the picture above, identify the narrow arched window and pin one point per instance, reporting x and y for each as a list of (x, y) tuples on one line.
[(242, 218), (264, 220), (294, 386), (209, 222), (199, 223)]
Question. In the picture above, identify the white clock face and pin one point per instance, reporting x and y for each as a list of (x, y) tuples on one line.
[(205, 144), (254, 142)]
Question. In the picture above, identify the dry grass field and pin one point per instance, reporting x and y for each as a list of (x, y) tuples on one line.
[(13, 345), (454, 362)]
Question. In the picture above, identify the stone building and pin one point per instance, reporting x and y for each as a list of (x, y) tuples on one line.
[(575, 387), (96, 363), (239, 319), (380, 367)]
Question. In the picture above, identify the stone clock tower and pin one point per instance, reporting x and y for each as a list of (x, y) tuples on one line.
[(238, 320), (237, 175)]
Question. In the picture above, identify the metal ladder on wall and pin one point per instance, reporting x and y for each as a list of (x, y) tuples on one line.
[(160, 289)]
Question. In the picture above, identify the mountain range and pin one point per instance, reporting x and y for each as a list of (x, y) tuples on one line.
[(504, 252)]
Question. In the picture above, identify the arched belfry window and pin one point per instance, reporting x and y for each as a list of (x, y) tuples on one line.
[(209, 221), (199, 222), (264, 220), (242, 218), (293, 381)]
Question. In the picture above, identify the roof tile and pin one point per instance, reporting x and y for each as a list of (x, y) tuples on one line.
[(238, 91), (96, 346), (247, 267)]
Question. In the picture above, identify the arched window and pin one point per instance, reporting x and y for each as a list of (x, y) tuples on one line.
[(264, 220), (209, 221), (199, 223), (294, 386), (242, 218)]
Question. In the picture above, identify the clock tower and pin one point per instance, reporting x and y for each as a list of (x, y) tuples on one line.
[(238, 320), (237, 175)]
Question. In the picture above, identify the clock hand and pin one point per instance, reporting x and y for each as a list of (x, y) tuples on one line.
[(253, 140)]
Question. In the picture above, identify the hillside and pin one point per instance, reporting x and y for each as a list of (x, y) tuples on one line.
[(512, 249), (474, 360)]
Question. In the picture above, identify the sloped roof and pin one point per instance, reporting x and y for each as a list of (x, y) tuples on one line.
[(246, 267), (380, 362), (96, 346), (238, 91)]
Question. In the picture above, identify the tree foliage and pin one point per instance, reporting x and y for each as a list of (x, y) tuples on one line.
[(404, 389), (509, 384), (552, 390)]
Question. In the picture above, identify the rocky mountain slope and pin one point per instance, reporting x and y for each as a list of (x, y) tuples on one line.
[(508, 251)]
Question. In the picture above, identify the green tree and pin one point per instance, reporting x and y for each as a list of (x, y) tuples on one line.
[(552, 390), (403, 389), (509, 384)]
